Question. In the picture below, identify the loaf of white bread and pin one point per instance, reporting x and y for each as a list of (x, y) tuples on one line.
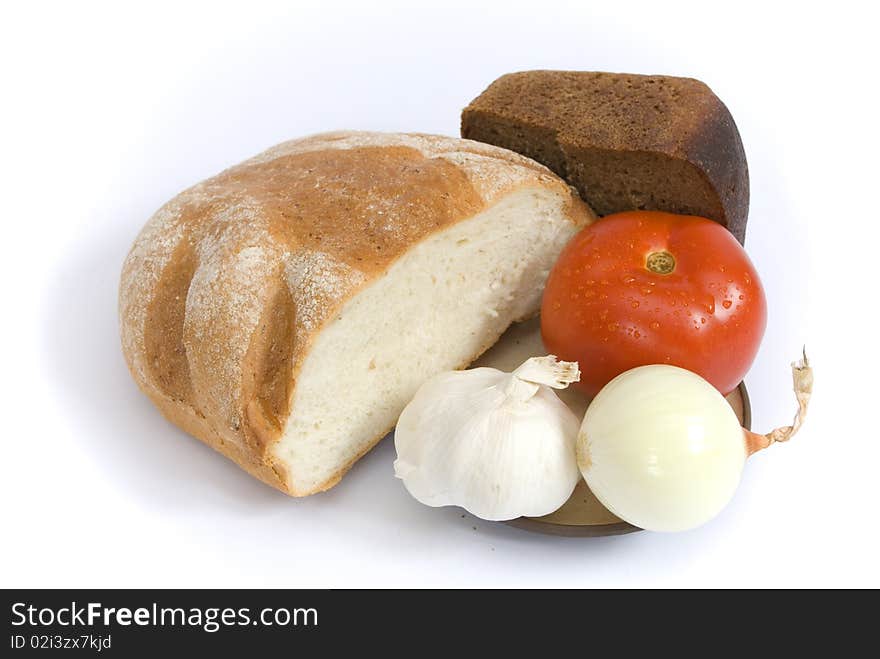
[(286, 310)]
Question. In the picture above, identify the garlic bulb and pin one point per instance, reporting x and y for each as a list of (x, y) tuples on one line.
[(500, 445), (661, 448)]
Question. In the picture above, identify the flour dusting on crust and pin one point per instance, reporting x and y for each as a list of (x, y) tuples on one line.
[(226, 298), (318, 283), (148, 257), (487, 166)]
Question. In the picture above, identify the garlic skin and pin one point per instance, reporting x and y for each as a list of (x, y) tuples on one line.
[(660, 448), (500, 445)]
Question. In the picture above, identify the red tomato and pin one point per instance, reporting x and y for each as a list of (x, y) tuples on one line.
[(646, 287)]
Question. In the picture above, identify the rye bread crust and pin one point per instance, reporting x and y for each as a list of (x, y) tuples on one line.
[(624, 141)]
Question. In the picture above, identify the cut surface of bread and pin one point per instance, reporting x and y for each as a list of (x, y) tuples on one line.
[(440, 306), (286, 310), (624, 141)]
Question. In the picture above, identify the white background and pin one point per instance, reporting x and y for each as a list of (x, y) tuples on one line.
[(108, 111)]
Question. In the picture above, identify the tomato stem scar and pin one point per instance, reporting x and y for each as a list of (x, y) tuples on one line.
[(660, 262)]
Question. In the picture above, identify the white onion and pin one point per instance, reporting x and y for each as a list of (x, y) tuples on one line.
[(661, 448)]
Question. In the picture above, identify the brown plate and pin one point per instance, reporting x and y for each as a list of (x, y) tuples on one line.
[(582, 515)]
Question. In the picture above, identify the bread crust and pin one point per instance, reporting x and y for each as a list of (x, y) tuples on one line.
[(229, 283), (603, 131)]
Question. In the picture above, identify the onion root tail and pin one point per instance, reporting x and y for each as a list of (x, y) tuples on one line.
[(802, 378)]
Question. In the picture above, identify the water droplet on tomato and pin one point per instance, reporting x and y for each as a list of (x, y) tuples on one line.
[(727, 304), (635, 304), (628, 279), (702, 320), (655, 325)]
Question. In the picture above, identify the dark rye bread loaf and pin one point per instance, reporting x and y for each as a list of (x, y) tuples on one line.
[(624, 141)]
